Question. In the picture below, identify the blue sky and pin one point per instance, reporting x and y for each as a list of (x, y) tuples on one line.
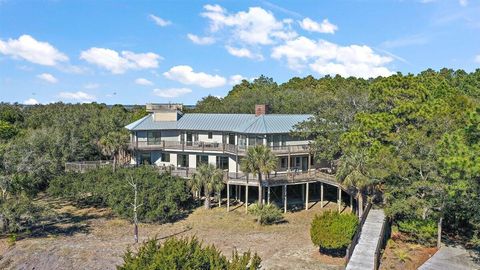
[(133, 52)]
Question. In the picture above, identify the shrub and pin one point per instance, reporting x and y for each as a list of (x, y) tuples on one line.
[(332, 232), (11, 240), (266, 214), (420, 231), (185, 254), (163, 197)]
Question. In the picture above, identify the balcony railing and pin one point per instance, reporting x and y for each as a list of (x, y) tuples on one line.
[(215, 147)]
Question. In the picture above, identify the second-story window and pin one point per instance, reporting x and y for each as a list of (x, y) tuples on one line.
[(153, 137), (210, 135)]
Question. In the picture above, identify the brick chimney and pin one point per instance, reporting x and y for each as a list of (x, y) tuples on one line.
[(261, 109)]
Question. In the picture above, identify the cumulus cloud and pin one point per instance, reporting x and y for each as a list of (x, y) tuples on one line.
[(186, 75), (254, 27), (143, 81), (118, 63), (28, 48), (171, 92), (201, 40), (159, 21), (47, 77), (323, 27), (77, 96), (236, 79), (243, 52), (31, 101), (325, 57), (92, 86)]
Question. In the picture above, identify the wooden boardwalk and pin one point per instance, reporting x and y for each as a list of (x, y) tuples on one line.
[(363, 257), (450, 258)]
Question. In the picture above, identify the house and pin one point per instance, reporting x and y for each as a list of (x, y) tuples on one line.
[(168, 137), (179, 142)]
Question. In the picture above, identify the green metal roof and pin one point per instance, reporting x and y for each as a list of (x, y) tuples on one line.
[(239, 123)]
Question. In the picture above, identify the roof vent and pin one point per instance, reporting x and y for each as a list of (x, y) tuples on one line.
[(261, 109)]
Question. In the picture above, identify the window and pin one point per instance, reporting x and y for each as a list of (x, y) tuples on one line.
[(153, 137), (210, 135), (146, 158), (202, 159), (182, 160), (195, 137), (283, 162), (222, 162), (165, 157), (231, 138)]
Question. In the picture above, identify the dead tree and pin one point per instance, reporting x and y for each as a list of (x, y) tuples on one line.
[(135, 207)]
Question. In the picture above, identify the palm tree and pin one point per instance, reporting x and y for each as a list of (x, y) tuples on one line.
[(258, 161), (210, 178), (352, 171), (113, 144), (195, 185)]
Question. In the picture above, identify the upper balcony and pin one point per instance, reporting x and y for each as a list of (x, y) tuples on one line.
[(216, 147)]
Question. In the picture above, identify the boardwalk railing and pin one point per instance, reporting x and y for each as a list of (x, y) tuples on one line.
[(83, 166), (385, 235), (356, 237)]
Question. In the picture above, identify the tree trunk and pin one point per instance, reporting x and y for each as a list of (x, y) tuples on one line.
[(260, 190), (207, 201), (219, 199), (439, 232)]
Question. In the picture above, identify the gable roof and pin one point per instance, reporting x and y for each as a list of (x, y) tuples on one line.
[(239, 123)]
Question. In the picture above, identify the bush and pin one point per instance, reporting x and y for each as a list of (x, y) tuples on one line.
[(332, 232), (163, 197), (420, 231), (185, 254), (266, 214)]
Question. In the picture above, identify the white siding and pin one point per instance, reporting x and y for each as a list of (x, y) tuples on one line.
[(192, 161), (232, 164), (212, 159)]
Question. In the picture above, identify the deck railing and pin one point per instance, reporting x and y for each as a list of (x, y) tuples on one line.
[(356, 237), (215, 147)]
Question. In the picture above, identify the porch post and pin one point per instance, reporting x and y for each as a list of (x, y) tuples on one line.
[(351, 203), (228, 197), (309, 162), (321, 195), (246, 198), (268, 194), (306, 197), (285, 198), (339, 202)]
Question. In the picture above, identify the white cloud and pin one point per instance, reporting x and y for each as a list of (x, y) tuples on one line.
[(28, 48), (92, 86), (325, 57), (254, 27), (236, 79), (47, 77), (119, 63), (31, 101), (159, 21), (477, 58), (243, 52), (171, 92), (143, 81), (201, 40), (324, 27), (77, 96), (186, 75), (406, 41), (463, 3)]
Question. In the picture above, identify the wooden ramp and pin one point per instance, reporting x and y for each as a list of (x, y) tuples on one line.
[(363, 257), (451, 258)]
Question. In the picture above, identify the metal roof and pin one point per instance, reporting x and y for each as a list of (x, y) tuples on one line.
[(239, 123)]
